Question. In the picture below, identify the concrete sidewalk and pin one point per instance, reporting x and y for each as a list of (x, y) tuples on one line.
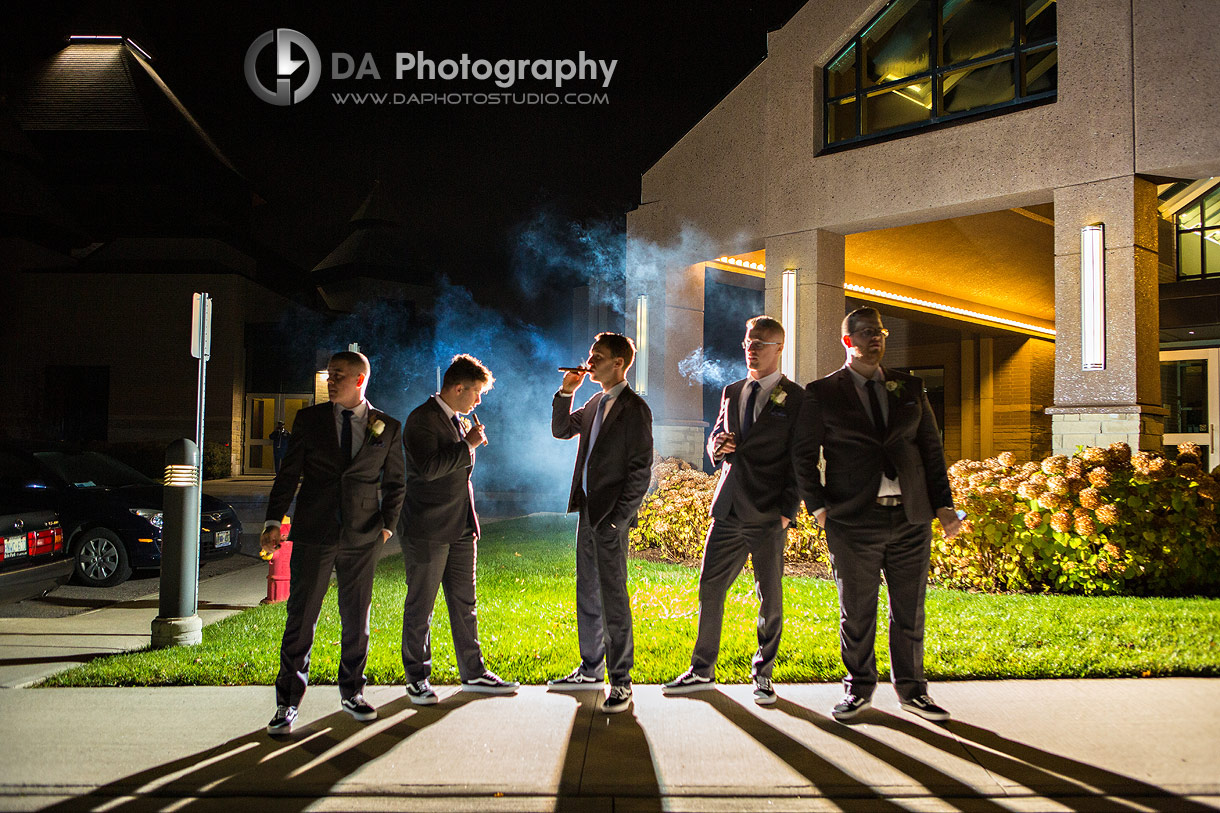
[(1014, 745)]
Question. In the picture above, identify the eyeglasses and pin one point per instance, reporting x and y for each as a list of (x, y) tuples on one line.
[(870, 332), (757, 345)]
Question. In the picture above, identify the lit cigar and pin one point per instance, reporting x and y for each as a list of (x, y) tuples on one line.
[(575, 369), (475, 419)]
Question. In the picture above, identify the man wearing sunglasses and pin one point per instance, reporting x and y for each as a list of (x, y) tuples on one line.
[(885, 480), (756, 499)]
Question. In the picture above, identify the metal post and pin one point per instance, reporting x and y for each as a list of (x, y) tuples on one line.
[(177, 622)]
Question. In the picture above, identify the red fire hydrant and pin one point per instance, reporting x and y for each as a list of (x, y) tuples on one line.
[(279, 570)]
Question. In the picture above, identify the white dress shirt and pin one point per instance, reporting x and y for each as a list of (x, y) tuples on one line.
[(765, 386), (450, 414)]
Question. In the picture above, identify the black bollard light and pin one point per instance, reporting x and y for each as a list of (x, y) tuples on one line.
[(177, 622)]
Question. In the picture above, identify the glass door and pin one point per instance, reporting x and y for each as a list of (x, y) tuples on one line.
[(1190, 390), (263, 415)]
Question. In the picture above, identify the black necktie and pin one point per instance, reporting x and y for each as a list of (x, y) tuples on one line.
[(747, 420), (457, 424), (345, 437), (874, 403)]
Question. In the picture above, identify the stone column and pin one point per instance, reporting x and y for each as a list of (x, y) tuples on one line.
[(818, 257), (675, 331), (1121, 402)]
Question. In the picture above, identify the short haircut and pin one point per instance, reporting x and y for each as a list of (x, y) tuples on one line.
[(859, 314), (618, 346), (466, 369), (766, 324), (351, 358)]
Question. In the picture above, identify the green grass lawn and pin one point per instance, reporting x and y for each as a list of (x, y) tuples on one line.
[(527, 620)]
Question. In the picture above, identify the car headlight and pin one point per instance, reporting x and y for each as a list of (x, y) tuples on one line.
[(152, 516)]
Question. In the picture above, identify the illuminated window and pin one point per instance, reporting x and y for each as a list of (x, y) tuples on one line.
[(1199, 239), (924, 62)]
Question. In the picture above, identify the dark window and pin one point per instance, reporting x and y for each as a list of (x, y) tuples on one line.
[(1199, 238), (77, 403), (923, 62)]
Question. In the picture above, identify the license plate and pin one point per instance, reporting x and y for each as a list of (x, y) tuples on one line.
[(15, 546), (222, 538)]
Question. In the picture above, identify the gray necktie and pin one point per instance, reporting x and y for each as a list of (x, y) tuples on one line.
[(747, 420)]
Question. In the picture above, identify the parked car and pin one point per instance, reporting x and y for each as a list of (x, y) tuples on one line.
[(110, 514), (33, 557)]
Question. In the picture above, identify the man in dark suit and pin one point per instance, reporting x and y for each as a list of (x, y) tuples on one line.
[(613, 467), (885, 480), (441, 530), (756, 499), (347, 459)]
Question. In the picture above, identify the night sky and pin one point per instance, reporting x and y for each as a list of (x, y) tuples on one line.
[(467, 179)]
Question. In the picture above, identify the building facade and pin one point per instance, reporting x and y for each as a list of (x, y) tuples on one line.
[(1026, 191)]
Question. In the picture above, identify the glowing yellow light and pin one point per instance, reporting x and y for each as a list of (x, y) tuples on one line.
[(937, 306), (181, 476)]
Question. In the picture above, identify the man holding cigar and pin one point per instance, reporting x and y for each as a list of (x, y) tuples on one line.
[(756, 499), (441, 529), (613, 467)]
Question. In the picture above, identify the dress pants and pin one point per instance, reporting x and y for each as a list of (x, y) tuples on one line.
[(311, 567), (603, 607), (450, 564), (728, 542), (881, 539)]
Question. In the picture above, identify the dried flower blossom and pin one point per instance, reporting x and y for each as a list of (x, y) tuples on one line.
[(1055, 464), (1107, 514), (1099, 477), (1033, 520), (1007, 459), (1057, 485), (1094, 456), (1085, 526), (1090, 498), (1061, 521), (1120, 454)]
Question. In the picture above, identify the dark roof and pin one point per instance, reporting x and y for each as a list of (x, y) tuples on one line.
[(379, 246), (104, 86)]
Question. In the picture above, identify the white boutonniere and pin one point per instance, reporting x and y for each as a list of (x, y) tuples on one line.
[(465, 422), (778, 396), (376, 427), (894, 387)]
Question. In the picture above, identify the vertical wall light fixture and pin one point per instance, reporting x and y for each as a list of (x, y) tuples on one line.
[(641, 344), (1093, 297), (787, 361)]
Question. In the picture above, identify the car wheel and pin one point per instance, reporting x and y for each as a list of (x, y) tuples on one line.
[(101, 559)]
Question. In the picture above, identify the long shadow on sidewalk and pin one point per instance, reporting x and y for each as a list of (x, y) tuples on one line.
[(849, 793), (607, 760), (1073, 784), (291, 772)]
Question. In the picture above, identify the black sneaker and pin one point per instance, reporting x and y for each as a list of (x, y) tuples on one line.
[(925, 708), (358, 708), (688, 682), (490, 683), (618, 700), (421, 693), (764, 692), (281, 723), (850, 706), (574, 681)]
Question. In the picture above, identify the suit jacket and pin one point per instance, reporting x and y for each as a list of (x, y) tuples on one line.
[(758, 480), (348, 503), (440, 497), (620, 466), (833, 421)]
